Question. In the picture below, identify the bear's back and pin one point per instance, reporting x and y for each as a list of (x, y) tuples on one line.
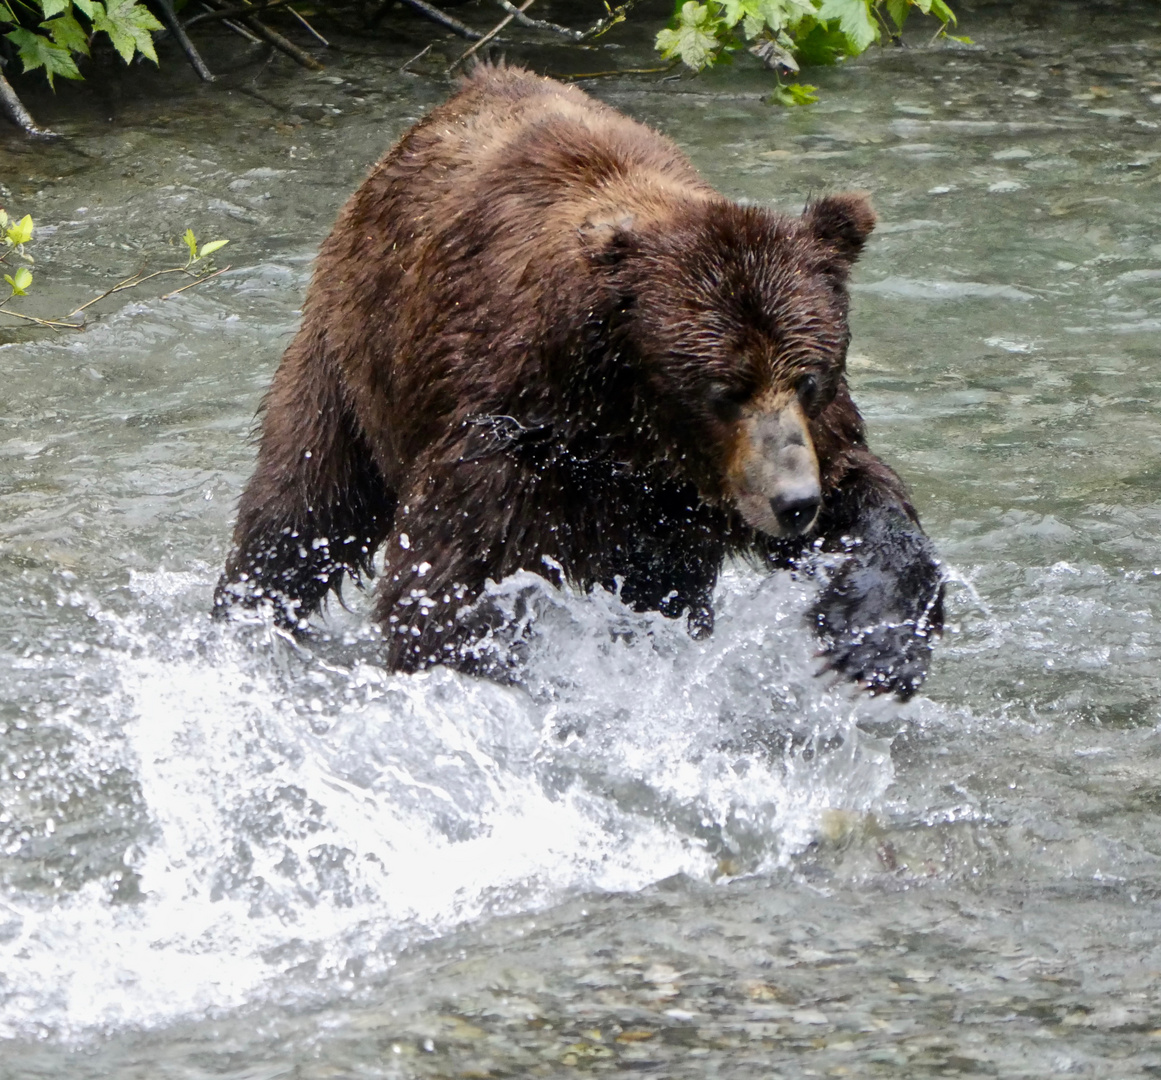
[(507, 124), (478, 224), (517, 157)]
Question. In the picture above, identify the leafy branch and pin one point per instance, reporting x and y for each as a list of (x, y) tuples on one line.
[(62, 30), (787, 34), (16, 235)]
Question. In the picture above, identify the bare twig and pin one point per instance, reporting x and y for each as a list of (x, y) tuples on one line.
[(274, 38), (242, 32), (309, 29), (211, 14), (198, 282), (282, 44), (617, 71), (430, 11), (537, 24), (615, 15), (53, 324), (488, 37), (169, 17), (422, 52), (12, 107), (129, 283)]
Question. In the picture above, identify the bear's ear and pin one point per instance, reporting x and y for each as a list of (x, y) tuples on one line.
[(608, 239), (843, 222)]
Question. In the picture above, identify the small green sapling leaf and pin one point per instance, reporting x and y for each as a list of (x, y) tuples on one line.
[(20, 282), (21, 232)]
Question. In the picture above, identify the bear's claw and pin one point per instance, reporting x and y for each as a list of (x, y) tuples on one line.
[(884, 659)]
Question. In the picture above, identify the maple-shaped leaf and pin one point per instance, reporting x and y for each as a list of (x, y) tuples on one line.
[(942, 12), (128, 25), (53, 7), (824, 44), (898, 10), (733, 11), (68, 33), (796, 94), (855, 21), (694, 39), (38, 52), (757, 16)]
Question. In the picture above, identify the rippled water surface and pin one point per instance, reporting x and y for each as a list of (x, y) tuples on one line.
[(223, 854)]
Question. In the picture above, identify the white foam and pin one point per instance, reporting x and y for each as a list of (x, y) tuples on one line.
[(309, 815)]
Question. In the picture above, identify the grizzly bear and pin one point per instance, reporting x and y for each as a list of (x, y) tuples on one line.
[(537, 340)]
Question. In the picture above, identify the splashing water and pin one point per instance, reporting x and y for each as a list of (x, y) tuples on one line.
[(303, 819)]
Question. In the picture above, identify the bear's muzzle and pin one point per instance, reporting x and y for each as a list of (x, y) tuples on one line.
[(773, 474)]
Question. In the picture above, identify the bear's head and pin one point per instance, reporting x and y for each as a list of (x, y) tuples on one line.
[(738, 319)]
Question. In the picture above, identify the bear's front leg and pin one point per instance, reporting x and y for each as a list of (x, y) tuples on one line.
[(882, 609), (465, 523), (674, 555), (316, 507)]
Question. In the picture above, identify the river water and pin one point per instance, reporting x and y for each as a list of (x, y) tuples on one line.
[(223, 854)]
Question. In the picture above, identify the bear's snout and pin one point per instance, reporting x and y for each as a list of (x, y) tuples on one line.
[(774, 477), (795, 511)]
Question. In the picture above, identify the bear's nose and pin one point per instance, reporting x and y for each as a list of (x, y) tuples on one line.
[(794, 511)]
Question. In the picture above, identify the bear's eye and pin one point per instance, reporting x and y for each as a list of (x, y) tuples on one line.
[(726, 401), (809, 391)]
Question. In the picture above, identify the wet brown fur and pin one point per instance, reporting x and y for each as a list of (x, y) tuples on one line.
[(525, 346)]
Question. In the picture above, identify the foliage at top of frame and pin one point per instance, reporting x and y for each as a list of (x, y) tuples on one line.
[(49, 34), (785, 34)]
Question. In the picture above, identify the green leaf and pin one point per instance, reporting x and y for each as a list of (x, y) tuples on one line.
[(211, 247), (694, 39), (38, 52), (898, 10), (128, 25), (796, 94), (733, 11), (21, 232), (6, 13), (942, 12), (68, 33), (963, 39), (20, 282), (190, 242), (773, 15), (855, 21), (53, 7), (88, 7), (822, 46)]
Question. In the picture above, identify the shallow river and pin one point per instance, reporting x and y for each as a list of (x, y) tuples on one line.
[(225, 855)]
